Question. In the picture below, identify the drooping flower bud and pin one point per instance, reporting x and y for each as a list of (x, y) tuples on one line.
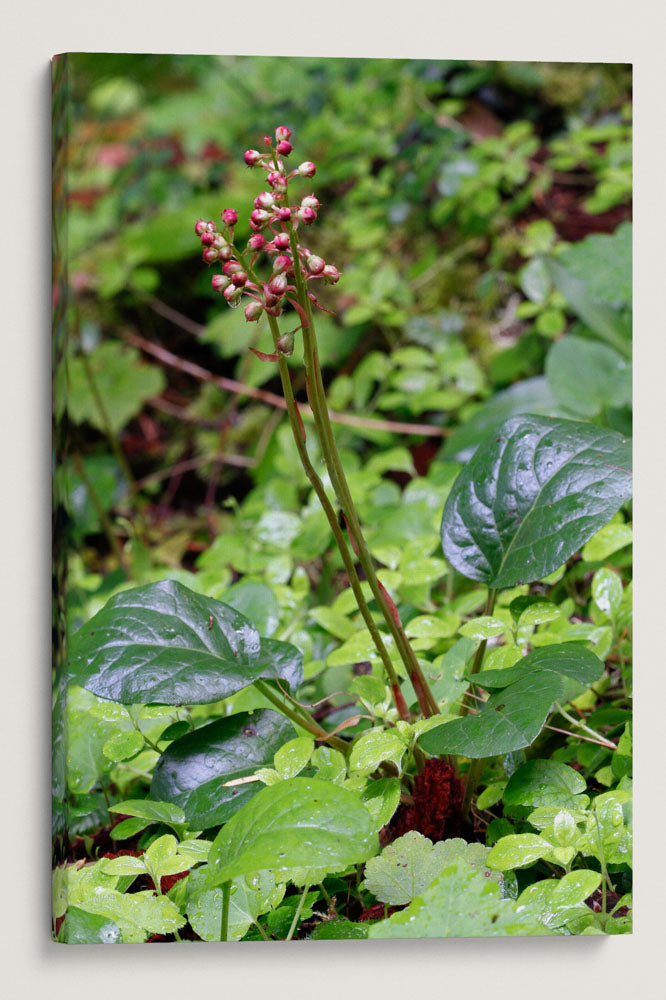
[(207, 238), (285, 344), (278, 284), (257, 241), (253, 311), (315, 264), (219, 282), (277, 181), (201, 226), (232, 294), (284, 148), (331, 274), (281, 241), (281, 263), (307, 169), (306, 215), (239, 278), (282, 133), (284, 213), (310, 202), (218, 241), (230, 216), (210, 255), (252, 157)]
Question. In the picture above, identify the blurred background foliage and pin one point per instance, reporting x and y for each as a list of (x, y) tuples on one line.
[(480, 215)]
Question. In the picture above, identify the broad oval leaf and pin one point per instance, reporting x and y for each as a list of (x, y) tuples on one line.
[(545, 783), (192, 772), (163, 643), (531, 496), (300, 822), (587, 376), (510, 720), (568, 658)]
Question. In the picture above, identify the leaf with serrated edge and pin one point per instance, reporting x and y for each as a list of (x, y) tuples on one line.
[(460, 903), (531, 496)]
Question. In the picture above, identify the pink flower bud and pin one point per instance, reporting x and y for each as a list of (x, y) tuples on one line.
[(230, 216), (252, 157), (201, 226), (259, 217), (331, 274), (232, 294), (270, 299), (231, 267), (274, 177), (210, 255), (284, 148), (278, 284), (285, 344), (219, 241), (219, 282), (281, 263), (314, 264), (306, 215), (282, 133), (310, 202), (239, 278), (307, 169), (284, 214), (226, 252), (207, 238), (253, 311), (257, 241), (281, 241), (264, 200)]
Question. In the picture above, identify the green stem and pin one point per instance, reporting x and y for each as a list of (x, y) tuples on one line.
[(302, 718), (318, 403), (297, 914), (477, 663), (224, 926), (318, 486)]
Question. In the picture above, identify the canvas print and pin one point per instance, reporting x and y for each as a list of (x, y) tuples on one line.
[(342, 606)]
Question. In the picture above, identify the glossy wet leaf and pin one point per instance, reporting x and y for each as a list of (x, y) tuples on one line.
[(81, 927), (609, 539), (292, 756), (250, 897), (156, 812), (301, 822), (339, 930), (123, 745), (257, 602), (607, 591), (531, 496), (192, 771), (164, 643), (558, 902), (374, 747), (517, 851), (460, 903), (545, 783)]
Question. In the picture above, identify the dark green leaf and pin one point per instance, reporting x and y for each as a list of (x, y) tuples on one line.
[(509, 720), (301, 822), (545, 783), (531, 496), (568, 658), (89, 928), (163, 643), (191, 773), (339, 930)]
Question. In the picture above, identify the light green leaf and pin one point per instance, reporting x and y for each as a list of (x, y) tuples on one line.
[(299, 822), (518, 850), (607, 540), (122, 380), (545, 783), (607, 591), (373, 748), (292, 757), (123, 745)]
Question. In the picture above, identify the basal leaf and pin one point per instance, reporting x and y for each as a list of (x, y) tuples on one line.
[(509, 720), (302, 822), (164, 643), (531, 496), (193, 772)]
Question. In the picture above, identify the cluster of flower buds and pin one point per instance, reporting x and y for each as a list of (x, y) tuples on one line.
[(274, 223)]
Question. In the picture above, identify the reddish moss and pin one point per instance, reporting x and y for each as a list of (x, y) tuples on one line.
[(438, 796)]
